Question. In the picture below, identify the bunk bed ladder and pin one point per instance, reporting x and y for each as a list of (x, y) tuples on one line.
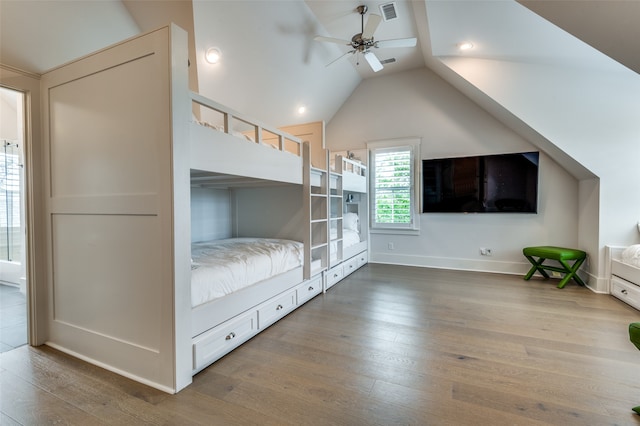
[(316, 208), (335, 211)]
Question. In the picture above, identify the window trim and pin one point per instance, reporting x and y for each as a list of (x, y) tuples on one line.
[(413, 144)]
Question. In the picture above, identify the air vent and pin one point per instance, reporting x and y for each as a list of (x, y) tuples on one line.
[(389, 61), (389, 11)]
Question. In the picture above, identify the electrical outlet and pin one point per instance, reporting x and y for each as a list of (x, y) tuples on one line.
[(391, 246), (485, 251)]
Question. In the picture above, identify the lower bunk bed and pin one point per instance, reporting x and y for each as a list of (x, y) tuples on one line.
[(354, 250), (241, 286), (624, 264)]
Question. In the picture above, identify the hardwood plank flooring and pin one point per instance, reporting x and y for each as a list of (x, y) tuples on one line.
[(387, 345)]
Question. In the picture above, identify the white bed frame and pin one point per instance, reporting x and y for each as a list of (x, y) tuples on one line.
[(354, 175), (118, 234), (624, 278), (225, 153), (350, 176)]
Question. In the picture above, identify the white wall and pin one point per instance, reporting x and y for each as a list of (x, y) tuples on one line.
[(8, 115), (210, 214), (420, 104), (590, 114), (269, 212)]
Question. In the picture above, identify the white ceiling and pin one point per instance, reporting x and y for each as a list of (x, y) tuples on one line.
[(271, 64)]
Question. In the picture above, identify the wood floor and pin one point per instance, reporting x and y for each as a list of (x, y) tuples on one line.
[(389, 345)]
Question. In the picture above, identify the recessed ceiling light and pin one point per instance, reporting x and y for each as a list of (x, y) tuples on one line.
[(213, 55), (467, 45), (302, 109)]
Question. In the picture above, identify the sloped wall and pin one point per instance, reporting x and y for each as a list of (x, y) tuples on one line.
[(420, 104)]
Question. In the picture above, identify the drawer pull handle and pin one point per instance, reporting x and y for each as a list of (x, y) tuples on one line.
[(623, 291), (310, 288), (230, 336), (279, 307), (335, 275)]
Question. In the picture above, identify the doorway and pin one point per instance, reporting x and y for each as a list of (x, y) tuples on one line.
[(13, 288)]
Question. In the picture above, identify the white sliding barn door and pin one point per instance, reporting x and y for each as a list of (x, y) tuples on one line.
[(108, 141)]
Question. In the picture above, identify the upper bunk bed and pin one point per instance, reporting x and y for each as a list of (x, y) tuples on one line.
[(353, 172), (225, 142)]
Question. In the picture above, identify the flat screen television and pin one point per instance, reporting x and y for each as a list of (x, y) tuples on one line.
[(505, 183)]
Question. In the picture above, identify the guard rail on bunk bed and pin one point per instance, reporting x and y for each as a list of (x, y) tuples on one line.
[(236, 156), (354, 174)]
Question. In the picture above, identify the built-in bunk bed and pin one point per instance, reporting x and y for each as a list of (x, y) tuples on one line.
[(348, 217), (140, 177), (243, 284), (624, 268)]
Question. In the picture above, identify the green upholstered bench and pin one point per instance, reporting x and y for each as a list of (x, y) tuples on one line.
[(634, 336), (560, 254)]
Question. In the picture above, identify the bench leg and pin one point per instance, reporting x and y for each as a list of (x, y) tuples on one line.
[(537, 266), (571, 273)]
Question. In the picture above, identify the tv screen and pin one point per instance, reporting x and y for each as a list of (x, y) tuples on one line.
[(506, 183)]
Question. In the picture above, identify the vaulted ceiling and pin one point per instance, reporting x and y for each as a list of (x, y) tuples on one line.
[(271, 64)]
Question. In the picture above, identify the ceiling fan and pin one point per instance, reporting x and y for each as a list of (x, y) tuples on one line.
[(363, 42)]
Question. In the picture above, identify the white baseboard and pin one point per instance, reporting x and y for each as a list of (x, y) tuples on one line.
[(595, 284)]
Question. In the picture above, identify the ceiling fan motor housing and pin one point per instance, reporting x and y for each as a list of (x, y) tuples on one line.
[(360, 44)]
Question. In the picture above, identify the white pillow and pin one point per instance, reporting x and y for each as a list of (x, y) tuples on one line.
[(350, 221), (631, 255)]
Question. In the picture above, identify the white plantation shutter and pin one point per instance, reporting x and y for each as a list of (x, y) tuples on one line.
[(393, 185), (393, 194)]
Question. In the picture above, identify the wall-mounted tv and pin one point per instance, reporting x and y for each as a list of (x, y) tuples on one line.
[(505, 183)]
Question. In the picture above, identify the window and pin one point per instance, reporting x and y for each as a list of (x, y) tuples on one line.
[(393, 189)]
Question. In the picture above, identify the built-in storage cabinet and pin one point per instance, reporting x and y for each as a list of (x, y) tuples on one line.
[(218, 341), (276, 308), (626, 291), (624, 277), (307, 290)]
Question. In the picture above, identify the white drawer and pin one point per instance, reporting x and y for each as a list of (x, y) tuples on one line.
[(276, 308), (350, 265), (334, 275), (625, 291), (363, 258), (213, 344), (308, 290)]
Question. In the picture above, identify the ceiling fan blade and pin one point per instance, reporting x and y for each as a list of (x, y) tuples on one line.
[(332, 40), (372, 25), (341, 56), (374, 62), (400, 42)]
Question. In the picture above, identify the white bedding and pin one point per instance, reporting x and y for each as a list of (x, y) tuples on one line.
[(631, 255), (349, 238), (221, 267)]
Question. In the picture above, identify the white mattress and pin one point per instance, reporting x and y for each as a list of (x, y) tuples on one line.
[(631, 255), (221, 267), (349, 238)]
